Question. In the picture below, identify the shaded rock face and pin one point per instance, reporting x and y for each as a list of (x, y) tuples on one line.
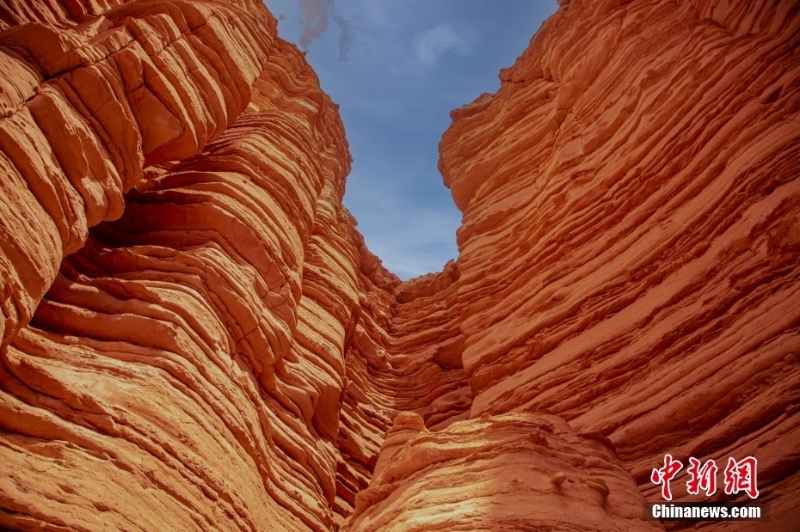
[(511, 472), (195, 337)]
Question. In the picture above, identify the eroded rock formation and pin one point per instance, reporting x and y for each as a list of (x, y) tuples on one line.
[(512, 472), (195, 336), (629, 253)]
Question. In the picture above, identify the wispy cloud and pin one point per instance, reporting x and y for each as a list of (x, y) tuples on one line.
[(430, 45), (315, 19), (316, 16), (410, 62), (345, 37)]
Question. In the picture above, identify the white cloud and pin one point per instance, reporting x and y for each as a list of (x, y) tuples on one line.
[(432, 44)]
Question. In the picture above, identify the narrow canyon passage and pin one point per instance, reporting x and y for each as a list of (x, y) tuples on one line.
[(195, 336)]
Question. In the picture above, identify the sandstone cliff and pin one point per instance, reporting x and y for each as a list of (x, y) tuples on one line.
[(195, 337), (632, 220)]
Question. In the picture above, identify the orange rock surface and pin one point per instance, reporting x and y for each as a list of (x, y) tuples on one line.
[(629, 253), (195, 336), (511, 472)]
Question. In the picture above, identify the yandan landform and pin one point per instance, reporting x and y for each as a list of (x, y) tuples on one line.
[(195, 337)]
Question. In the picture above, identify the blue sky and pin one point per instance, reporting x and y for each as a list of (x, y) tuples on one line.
[(397, 68)]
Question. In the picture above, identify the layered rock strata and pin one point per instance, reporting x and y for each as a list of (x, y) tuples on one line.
[(630, 244), (510, 472), (222, 355), (86, 106), (195, 336)]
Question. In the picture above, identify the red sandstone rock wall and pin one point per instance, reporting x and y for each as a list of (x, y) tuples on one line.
[(510, 472), (221, 355), (195, 337), (629, 252)]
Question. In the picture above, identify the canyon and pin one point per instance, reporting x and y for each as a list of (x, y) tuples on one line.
[(196, 337)]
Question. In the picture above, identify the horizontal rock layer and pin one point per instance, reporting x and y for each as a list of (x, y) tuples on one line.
[(195, 336), (629, 249), (83, 109), (222, 355), (511, 472)]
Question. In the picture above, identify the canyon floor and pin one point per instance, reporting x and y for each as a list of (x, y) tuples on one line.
[(194, 335)]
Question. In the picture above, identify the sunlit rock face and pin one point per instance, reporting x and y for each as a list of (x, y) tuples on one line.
[(629, 253), (195, 336)]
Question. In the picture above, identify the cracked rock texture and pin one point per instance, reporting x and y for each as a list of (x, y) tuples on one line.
[(194, 336)]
